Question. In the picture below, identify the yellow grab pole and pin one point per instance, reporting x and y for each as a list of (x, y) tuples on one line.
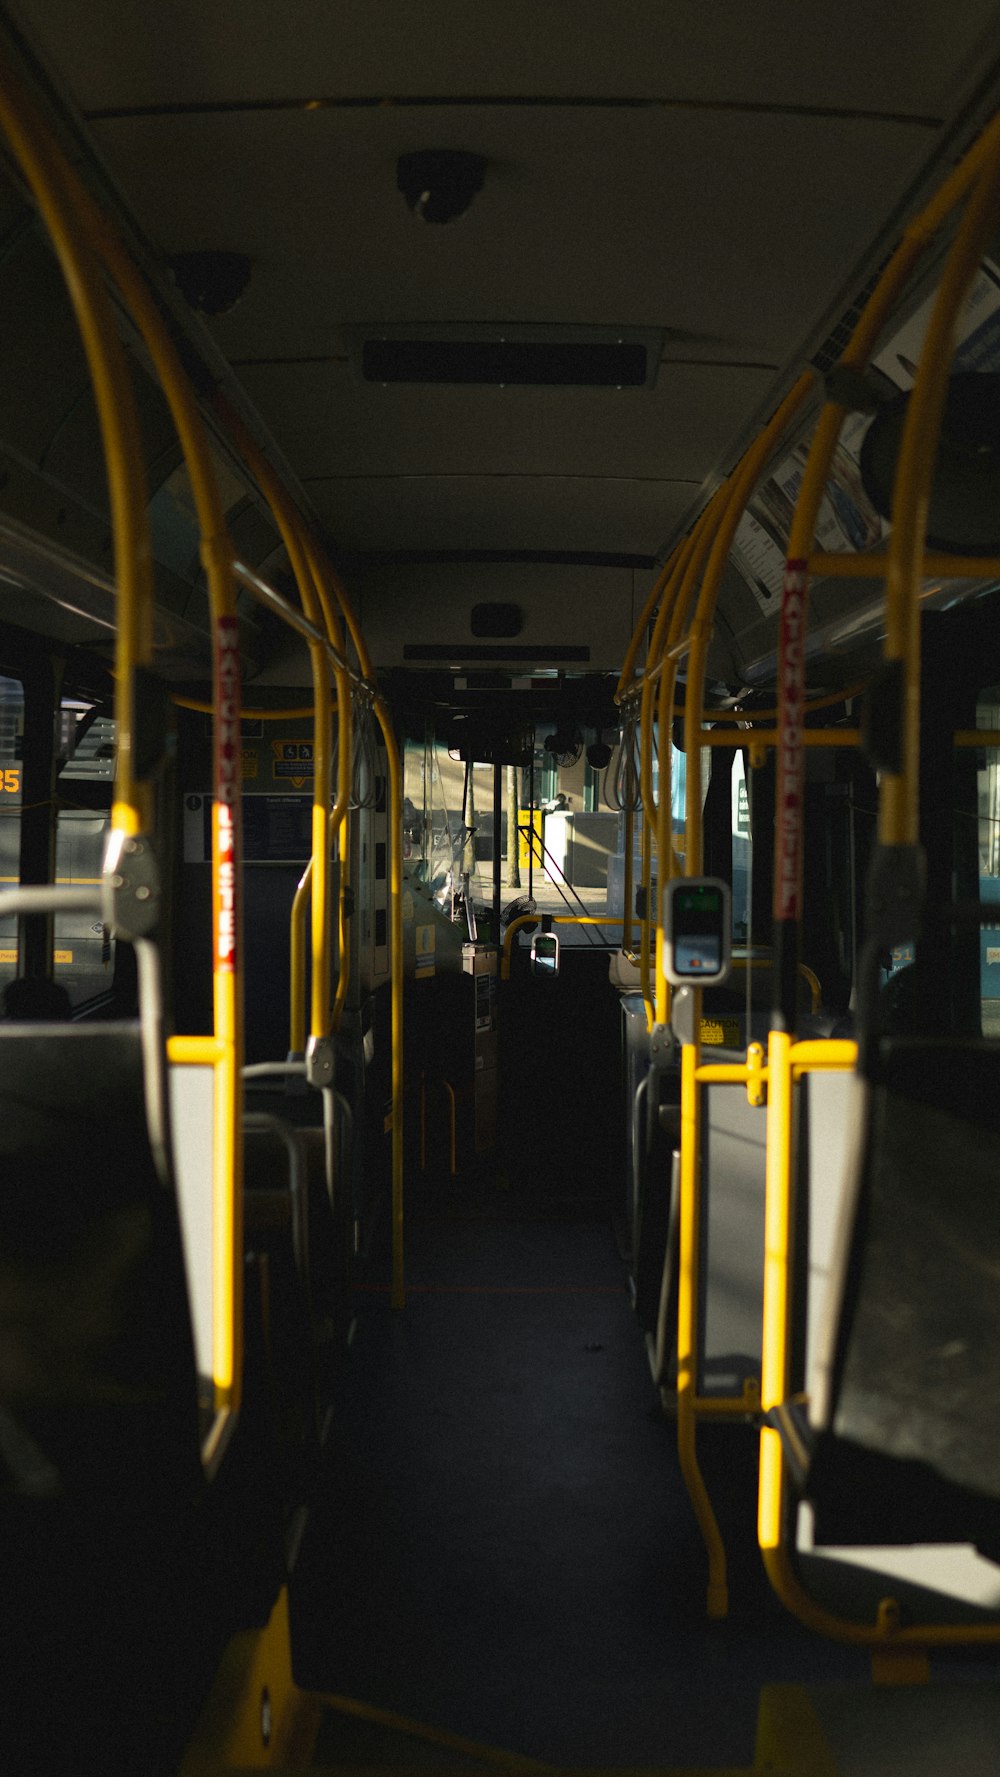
[(646, 925), (395, 812), (626, 677), (227, 974), (327, 589), (668, 625), (289, 525), (730, 508), (134, 646), (45, 171), (398, 1295), (687, 1317), (899, 791), (343, 938), (297, 962), (663, 661), (741, 486), (801, 542)]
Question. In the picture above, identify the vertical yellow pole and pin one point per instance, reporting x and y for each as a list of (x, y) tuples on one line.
[(318, 886), (134, 646), (777, 1244), (898, 792), (227, 974), (717, 1602), (395, 814)]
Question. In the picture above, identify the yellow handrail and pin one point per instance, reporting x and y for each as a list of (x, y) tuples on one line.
[(937, 565), (717, 1603), (216, 555), (559, 919), (978, 179), (898, 791), (627, 673), (744, 481), (67, 195), (327, 591), (201, 707), (801, 542), (787, 1061), (289, 526), (395, 824), (714, 539), (662, 660), (770, 737), (44, 170)]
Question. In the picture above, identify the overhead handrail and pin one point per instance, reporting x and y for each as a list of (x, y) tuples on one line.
[(937, 565), (202, 707), (977, 179)]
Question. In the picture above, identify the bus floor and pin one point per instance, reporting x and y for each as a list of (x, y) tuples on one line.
[(502, 1547)]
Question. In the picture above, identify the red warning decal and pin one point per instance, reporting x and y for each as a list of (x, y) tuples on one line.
[(791, 774), (228, 769)]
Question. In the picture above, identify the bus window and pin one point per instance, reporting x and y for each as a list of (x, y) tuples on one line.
[(84, 953)]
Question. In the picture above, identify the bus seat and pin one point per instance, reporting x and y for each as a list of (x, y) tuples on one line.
[(101, 1483), (904, 1420), (93, 1299)]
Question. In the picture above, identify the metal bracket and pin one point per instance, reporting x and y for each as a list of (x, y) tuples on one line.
[(684, 1015), (662, 1048), (851, 388), (132, 882), (320, 1061)]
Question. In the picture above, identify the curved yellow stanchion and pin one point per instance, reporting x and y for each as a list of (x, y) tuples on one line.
[(289, 526), (743, 482), (898, 792), (45, 172), (791, 653), (395, 823), (714, 542), (216, 554), (978, 179), (559, 919)]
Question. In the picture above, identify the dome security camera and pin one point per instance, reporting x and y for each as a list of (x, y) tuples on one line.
[(440, 183)]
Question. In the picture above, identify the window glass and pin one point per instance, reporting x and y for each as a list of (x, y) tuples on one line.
[(84, 951)]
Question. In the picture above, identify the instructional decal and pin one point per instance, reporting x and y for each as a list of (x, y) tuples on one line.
[(293, 759)]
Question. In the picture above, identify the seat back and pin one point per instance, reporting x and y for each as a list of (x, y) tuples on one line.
[(911, 1404)]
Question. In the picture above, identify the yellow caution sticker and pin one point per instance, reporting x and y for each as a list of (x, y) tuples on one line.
[(720, 1033)]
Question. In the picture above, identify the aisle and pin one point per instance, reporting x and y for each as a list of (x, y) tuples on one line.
[(504, 1548)]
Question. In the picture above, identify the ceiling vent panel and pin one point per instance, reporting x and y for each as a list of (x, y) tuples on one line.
[(511, 357)]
